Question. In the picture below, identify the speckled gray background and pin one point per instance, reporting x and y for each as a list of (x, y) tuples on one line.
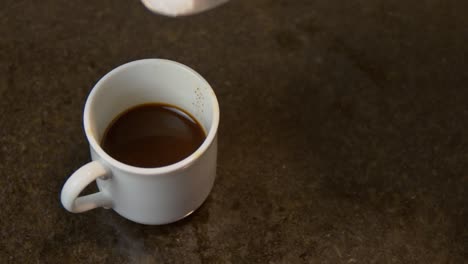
[(343, 136)]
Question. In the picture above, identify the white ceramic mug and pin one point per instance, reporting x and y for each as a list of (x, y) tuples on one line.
[(146, 195), (181, 7)]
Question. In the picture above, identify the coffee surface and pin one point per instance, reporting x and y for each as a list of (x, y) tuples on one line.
[(152, 135)]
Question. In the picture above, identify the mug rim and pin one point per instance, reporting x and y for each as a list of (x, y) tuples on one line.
[(157, 170)]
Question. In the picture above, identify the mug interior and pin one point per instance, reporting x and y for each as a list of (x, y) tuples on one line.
[(150, 81)]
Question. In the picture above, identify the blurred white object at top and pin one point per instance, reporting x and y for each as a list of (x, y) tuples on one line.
[(181, 7)]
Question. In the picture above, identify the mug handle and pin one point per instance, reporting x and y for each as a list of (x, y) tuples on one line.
[(78, 181)]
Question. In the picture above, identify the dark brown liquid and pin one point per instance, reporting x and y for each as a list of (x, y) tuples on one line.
[(152, 135)]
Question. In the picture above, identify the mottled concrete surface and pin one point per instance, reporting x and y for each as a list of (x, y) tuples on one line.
[(343, 135)]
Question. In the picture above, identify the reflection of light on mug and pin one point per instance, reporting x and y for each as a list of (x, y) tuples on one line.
[(181, 7)]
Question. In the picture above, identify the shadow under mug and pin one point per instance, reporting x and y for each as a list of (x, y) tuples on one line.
[(146, 195)]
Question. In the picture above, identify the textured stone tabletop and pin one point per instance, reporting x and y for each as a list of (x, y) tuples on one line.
[(343, 135)]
